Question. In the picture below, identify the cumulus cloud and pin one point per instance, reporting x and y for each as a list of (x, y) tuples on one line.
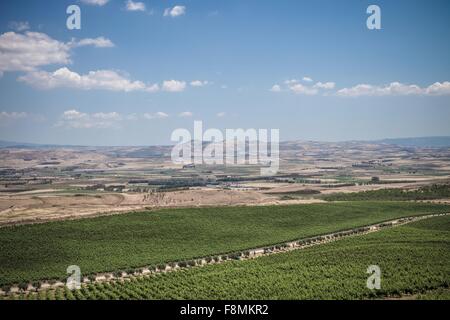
[(134, 6), (99, 42), (275, 88), (28, 51), (19, 25), (25, 52), (291, 82), (439, 88), (174, 86), (295, 86), (80, 120), (75, 119), (199, 83), (132, 117), (95, 2), (152, 88), (301, 89), (101, 79), (395, 89), (175, 11), (157, 115), (326, 85), (12, 115), (186, 114), (95, 80)]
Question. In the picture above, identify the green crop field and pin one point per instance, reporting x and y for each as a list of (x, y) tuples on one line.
[(413, 259), (44, 251), (424, 193)]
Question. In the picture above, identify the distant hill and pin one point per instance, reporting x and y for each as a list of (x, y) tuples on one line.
[(154, 151), (423, 142), (12, 144)]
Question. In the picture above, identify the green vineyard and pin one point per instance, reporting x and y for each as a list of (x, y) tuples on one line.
[(414, 258), (122, 242)]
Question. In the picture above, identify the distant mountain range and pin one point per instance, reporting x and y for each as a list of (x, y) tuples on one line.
[(11, 144), (422, 142)]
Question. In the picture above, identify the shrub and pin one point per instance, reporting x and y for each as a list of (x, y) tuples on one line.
[(23, 286), (6, 288), (191, 263)]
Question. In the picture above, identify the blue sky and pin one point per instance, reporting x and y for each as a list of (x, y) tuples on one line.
[(309, 68)]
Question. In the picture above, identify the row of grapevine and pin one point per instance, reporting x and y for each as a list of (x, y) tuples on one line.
[(413, 258)]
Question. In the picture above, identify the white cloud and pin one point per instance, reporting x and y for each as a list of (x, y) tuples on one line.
[(79, 120), (95, 2), (157, 115), (107, 116), (326, 85), (95, 80), (395, 88), (301, 89), (221, 114), (198, 83), (175, 11), (101, 79), (12, 115), (134, 6), (185, 114), (295, 86), (291, 82), (174, 86), (28, 51), (25, 52), (275, 88), (19, 25), (99, 42), (439, 88), (152, 88), (132, 117)]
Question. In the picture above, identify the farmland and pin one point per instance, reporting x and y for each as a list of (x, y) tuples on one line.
[(432, 192), (414, 258), (119, 242), (45, 183), (127, 211)]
